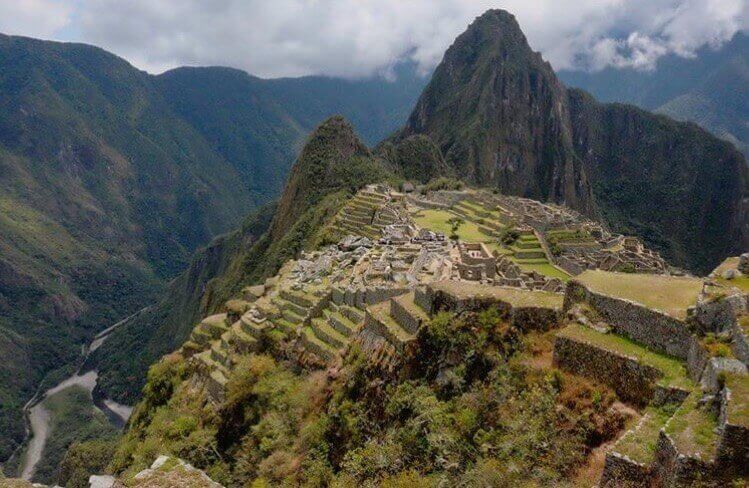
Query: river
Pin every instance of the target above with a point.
(39, 418)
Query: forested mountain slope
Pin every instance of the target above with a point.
(110, 178)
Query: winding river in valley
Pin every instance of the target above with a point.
(39, 418)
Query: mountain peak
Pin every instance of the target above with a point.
(332, 158)
(497, 17)
(500, 115)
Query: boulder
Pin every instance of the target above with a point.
(252, 293)
(730, 274)
(744, 263)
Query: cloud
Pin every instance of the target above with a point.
(354, 38)
(34, 18)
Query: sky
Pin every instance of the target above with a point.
(361, 38)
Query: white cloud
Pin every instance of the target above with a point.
(34, 18)
(363, 37)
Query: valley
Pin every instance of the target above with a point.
(213, 279)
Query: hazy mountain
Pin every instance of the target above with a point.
(110, 178)
(711, 89)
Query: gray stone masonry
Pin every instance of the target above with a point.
(631, 380)
(622, 472)
(652, 328)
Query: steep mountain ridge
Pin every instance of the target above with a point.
(710, 88)
(333, 164)
(500, 116)
(502, 119)
(678, 187)
(110, 178)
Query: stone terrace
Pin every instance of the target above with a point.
(642, 336)
(674, 347)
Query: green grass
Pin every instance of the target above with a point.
(674, 372)
(639, 445)
(669, 294)
(515, 297)
(437, 221)
(546, 269)
(738, 407)
(692, 428)
(740, 282)
(73, 418)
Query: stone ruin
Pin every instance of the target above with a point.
(376, 290)
(476, 262)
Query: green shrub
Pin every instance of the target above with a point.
(442, 183)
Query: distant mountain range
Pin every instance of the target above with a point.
(110, 178)
(711, 89)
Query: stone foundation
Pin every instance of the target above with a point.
(651, 328)
(524, 318)
(632, 381)
(672, 468)
(620, 471)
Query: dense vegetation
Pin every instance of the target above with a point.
(416, 157)
(82, 459)
(111, 178)
(468, 408)
(73, 420)
(670, 183)
(332, 166)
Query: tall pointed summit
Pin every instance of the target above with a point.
(500, 115)
(502, 119)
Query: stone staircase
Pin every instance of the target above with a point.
(396, 321)
(365, 214)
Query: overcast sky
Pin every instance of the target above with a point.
(356, 38)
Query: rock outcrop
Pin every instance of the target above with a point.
(500, 116)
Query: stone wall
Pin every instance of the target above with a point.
(733, 445)
(569, 265)
(423, 299)
(360, 297)
(631, 380)
(652, 328)
(697, 359)
(621, 472)
(719, 314)
(524, 318)
(739, 343)
(675, 469)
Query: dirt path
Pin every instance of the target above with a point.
(39, 421)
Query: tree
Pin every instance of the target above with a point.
(455, 224)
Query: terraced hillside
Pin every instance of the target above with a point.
(634, 333)
(383, 297)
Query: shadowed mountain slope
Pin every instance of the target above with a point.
(502, 119)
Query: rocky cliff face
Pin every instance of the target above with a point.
(499, 114)
(502, 118)
(674, 184)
